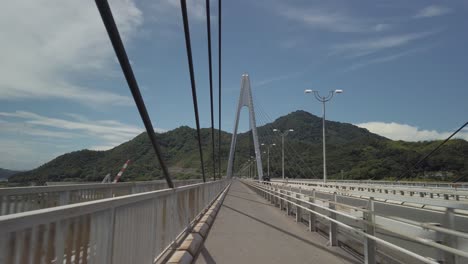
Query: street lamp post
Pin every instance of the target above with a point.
(268, 156)
(282, 134)
(324, 99)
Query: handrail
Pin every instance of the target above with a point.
(399, 219)
(101, 230)
(300, 204)
(21, 199)
(443, 203)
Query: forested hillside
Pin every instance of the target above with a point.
(352, 153)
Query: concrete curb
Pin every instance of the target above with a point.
(189, 249)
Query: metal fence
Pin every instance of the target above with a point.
(129, 229)
(460, 185)
(445, 192)
(23, 199)
(380, 232)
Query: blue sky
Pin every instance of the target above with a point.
(402, 65)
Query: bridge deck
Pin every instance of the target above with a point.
(250, 230)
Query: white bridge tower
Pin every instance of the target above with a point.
(245, 99)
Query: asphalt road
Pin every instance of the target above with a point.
(248, 229)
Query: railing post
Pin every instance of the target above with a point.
(333, 232)
(275, 199)
(449, 240)
(110, 245)
(64, 198)
(281, 202)
(272, 195)
(369, 244)
(298, 209)
(288, 205)
(312, 216)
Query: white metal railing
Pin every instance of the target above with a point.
(388, 231)
(458, 185)
(23, 199)
(441, 193)
(128, 229)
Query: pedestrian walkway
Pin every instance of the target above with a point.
(248, 229)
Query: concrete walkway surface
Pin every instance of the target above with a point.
(248, 229)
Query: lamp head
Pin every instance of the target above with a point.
(291, 130)
(308, 91)
(275, 130)
(338, 91)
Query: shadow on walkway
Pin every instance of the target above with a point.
(324, 248)
(249, 200)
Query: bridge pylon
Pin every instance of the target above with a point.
(245, 99)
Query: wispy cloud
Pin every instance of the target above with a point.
(324, 19)
(387, 58)
(277, 78)
(433, 11)
(406, 132)
(110, 132)
(168, 11)
(370, 46)
(42, 59)
(382, 27)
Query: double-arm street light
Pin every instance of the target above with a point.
(324, 99)
(283, 134)
(268, 156)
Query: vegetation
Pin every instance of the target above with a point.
(4, 173)
(352, 153)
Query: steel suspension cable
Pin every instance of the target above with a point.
(183, 7)
(298, 156)
(208, 29)
(270, 134)
(430, 153)
(287, 145)
(219, 87)
(113, 32)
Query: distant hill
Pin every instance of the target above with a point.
(5, 174)
(353, 150)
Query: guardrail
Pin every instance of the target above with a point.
(23, 199)
(378, 231)
(459, 185)
(445, 193)
(135, 228)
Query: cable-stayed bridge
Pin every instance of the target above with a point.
(240, 217)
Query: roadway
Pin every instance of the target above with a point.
(248, 229)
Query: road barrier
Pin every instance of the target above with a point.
(134, 228)
(378, 231)
(438, 196)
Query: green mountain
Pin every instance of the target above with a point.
(4, 173)
(352, 153)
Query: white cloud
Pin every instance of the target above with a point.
(369, 46)
(433, 11)
(111, 131)
(387, 58)
(30, 139)
(21, 155)
(405, 132)
(278, 78)
(49, 43)
(381, 27)
(320, 18)
(168, 11)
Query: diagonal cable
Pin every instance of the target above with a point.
(219, 86)
(208, 29)
(183, 7)
(113, 32)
